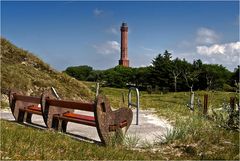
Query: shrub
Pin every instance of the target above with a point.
(226, 117)
(228, 88)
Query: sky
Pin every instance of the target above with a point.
(73, 33)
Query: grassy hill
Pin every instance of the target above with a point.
(24, 71)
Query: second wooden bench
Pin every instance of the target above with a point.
(107, 122)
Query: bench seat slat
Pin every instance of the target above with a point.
(32, 111)
(79, 116)
(27, 98)
(34, 108)
(71, 104)
(81, 121)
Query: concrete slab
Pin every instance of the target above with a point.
(151, 128)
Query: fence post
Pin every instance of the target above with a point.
(192, 100)
(232, 103)
(232, 107)
(97, 89)
(123, 98)
(205, 107)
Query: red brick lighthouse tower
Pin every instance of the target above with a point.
(124, 46)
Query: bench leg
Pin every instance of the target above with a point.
(28, 117)
(20, 116)
(64, 126)
(59, 125)
(55, 123)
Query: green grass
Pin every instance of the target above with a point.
(21, 142)
(4, 104)
(206, 140)
(172, 105)
(194, 136)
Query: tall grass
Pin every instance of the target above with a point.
(203, 138)
(131, 141)
(194, 136)
(185, 128)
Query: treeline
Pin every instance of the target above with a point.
(165, 74)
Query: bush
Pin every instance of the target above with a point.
(228, 88)
(226, 117)
(79, 72)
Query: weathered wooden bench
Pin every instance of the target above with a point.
(107, 122)
(23, 107)
(57, 113)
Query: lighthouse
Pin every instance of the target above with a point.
(124, 46)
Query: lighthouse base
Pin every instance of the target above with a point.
(124, 63)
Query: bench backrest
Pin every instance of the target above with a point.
(71, 104)
(23, 98)
(18, 101)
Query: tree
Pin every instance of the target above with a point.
(161, 69)
(190, 74)
(95, 75)
(79, 72)
(118, 76)
(215, 76)
(141, 77)
(235, 77)
(177, 65)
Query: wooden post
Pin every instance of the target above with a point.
(205, 104)
(232, 103)
(123, 98)
(192, 100)
(97, 90)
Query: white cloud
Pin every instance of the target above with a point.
(227, 53)
(113, 30)
(220, 49)
(212, 50)
(109, 47)
(97, 12)
(206, 36)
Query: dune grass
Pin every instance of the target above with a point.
(194, 136)
(24, 71)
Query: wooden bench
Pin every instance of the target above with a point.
(57, 113)
(23, 107)
(107, 122)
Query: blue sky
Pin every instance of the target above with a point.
(71, 33)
